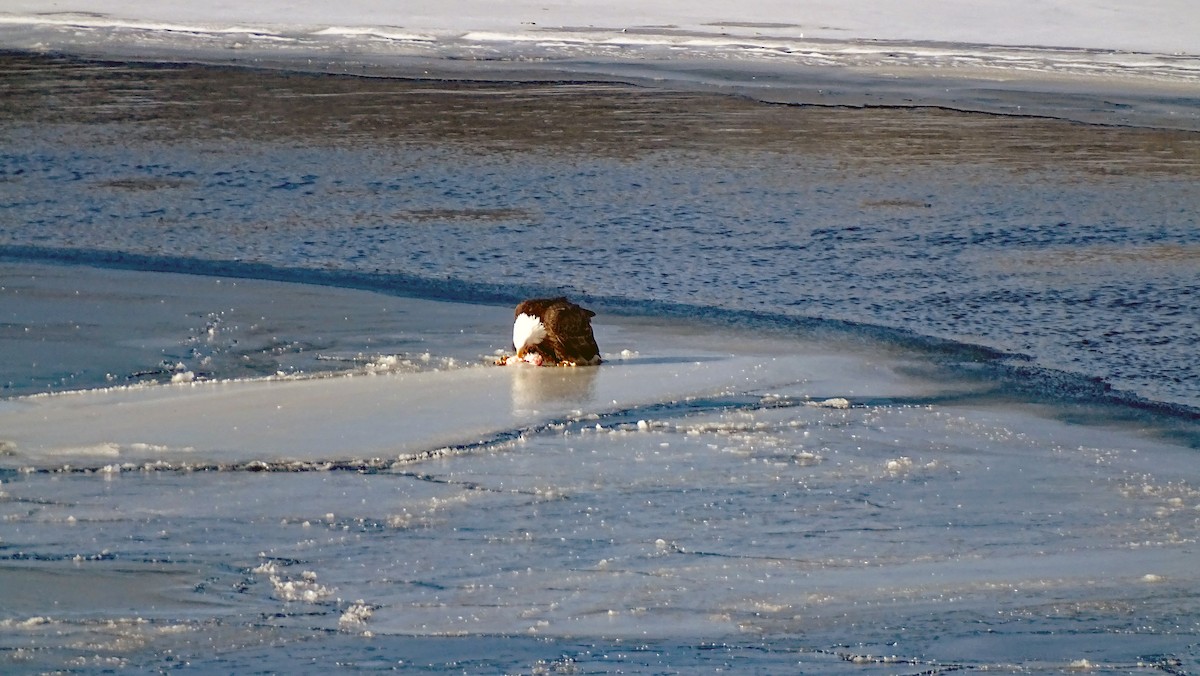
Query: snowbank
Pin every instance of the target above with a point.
(1165, 27)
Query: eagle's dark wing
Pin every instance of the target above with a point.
(569, 332)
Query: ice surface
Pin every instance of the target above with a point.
(706, 498)
(356, 417)
(370, 413)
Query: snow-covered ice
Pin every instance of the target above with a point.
(1164, 27)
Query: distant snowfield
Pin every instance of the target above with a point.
(1166, 26)
(1063, 36)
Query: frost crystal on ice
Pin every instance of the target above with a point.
(356, 614)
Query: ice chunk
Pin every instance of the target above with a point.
(833, 402)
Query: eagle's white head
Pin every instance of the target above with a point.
(528, 331)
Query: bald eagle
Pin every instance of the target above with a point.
(553, 331)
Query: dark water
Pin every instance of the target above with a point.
(1073, 248)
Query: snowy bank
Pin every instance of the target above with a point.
(1166, 27)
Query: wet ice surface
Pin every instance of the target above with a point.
(752, 503)
(70, 328)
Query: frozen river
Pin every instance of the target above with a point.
(886, 390)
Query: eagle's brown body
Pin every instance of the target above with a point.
(568, 329)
